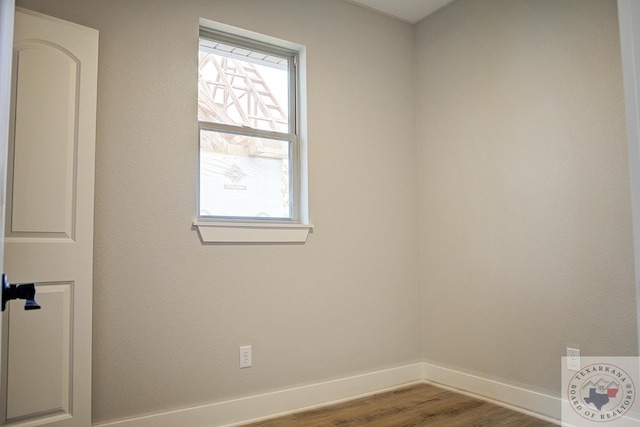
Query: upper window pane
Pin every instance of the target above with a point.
(243, 87)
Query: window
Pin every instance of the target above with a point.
(249, 155)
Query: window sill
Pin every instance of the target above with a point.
(220, 232)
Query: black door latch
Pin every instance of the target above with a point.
(25, 291)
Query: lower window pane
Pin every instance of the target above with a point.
(244, 176)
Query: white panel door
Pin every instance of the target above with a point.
(49, 222)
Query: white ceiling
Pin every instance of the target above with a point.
(407, 10)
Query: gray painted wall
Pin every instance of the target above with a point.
(170, 313)
(525, 211)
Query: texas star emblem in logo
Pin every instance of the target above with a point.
(601, 392)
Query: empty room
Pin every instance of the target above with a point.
(235, 210)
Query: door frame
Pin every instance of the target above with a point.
(7, 13)
(629, 24)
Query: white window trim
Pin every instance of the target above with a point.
(217, 232)
(267, 232)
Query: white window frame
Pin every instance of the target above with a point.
(215, 229)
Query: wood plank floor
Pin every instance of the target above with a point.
(417, 405)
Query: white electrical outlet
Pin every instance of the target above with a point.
(245, 356)
(573, 359)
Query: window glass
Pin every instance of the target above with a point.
(249, 154)
(244, 176)
(242, 87)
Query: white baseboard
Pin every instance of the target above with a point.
(253, 408)
(529, 402)
(259, 407)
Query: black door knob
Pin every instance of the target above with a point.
(25, 291)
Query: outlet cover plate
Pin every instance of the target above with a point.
(245, 356)
(573, 359)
